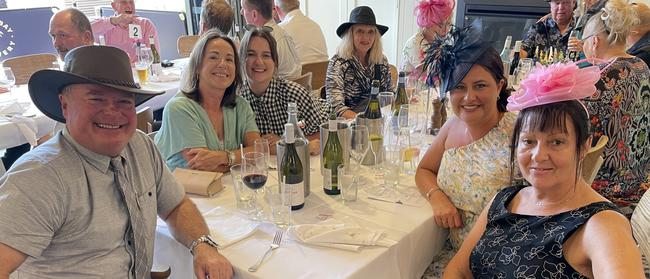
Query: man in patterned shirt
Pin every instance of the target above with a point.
(551, 31)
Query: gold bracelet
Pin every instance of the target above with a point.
(431, 192)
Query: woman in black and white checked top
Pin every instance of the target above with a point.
(269, 95)
(355, 64)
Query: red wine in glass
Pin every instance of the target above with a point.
(254, 181)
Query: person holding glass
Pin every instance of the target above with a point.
(620, 107)
(553, 31)
(467, 162)
(557, 226)
(269, 95)
(204, 125)
(358, 60)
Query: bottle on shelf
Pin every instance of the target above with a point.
(332, 158)
(156, 66)
(400, 94)
(515, 58)
(301, 143)
(536, 57)
(291, 170)
(505, 53)
(373, 110)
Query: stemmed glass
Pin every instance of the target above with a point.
(386, 100)
(262, 146)
(7, 80)
(145, 58)
(254, 175)
(359, 143)
(408, 117)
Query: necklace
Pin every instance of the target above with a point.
(567, 198)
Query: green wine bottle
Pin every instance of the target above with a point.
(332, 158)
(372, 110)
(400, 96)
(291, 170)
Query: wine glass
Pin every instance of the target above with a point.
(408, 117)
(7, 80)
(359, 143)
(145, 58)
(262, 146)
(254, 175)
(386, 100)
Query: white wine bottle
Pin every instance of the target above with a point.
(400, 95)
(292, 172)
(332, 158)
(372, 110)
(156, 66)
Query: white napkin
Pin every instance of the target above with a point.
(407, 197)
(341, 234)
(226, 226)
(12, 111)
(166, 77)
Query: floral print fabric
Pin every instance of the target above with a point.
(620, 109)
(546, 34)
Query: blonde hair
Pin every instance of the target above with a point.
(346, 49)
(616, 19)
(643, 11)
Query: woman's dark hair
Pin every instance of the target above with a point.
(263, 32)
(189, 84)
(491, 60)
(549, 118)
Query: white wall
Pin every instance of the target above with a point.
(396, 14)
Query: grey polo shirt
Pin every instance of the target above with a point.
(59, 205)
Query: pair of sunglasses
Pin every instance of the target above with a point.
(251, 27)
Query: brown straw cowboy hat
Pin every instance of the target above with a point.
(360, 15)
(102, 65)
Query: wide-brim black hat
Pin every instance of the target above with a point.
(360, 15)
(101, 65)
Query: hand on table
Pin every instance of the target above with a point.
(209, 263)
(207, 160)
(122, 20)
(3, 90)
(445, 213)
(314, 147)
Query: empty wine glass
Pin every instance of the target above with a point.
(7, 80)
(386, 100)
(145, 58)
(262, 146)
(359, 143)
(254, 175)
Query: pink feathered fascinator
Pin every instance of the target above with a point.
(430, 12)
(554, 83)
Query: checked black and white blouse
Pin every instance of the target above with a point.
(271, 108)
(347, 83)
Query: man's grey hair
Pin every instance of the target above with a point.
(287, 5)
(217, 14)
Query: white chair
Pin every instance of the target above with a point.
(593, 160)
(641, 224)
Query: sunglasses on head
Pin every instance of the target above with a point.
(251, 27)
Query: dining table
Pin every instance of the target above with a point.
(409, 225)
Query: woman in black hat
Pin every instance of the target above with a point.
(358, 60)
(467, 162)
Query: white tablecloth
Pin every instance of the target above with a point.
(10, 135)
(418, 239)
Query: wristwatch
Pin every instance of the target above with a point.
(203, 239)
(231, 157)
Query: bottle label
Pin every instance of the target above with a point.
(332, 125)
(297, 192)
(327, 179)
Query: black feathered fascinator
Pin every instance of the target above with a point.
(449, 58)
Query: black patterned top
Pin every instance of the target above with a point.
(620, 109)
(546, 34)
(347, 83)
(523, 246)
(271, 108)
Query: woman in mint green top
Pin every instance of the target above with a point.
(205, 124)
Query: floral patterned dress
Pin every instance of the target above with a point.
(470, 176)
(620, 109)
(412, 56)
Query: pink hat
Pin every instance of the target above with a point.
(433, 12)
(554, 83)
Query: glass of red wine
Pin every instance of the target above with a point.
(254, 175)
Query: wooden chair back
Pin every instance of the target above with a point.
(185, 44)
(144, 118)
(593, 160)
(25, 66)
(305, 81)
(318, 71)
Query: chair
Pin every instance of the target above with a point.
(393, 75)
(305, 81)
(185, 44)
(160, 271)
(641, 222)
(593, 160)
(144, 118)
(25, 66)
(318, 72)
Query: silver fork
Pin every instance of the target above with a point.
(276, 243)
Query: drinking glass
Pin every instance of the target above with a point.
(359, 143)
(280, 204)
(408, 117)
(410, 144)
(243, 194)
(262, 146)
(348, 182)
(525, 66)
(145, 58)
(254, 175)
(386, 100)
(7, 80)
(392, 165)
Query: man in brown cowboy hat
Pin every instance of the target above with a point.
(84, 204)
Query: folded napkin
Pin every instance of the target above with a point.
(227, 227)
(12, 111)
(403, 196)
(166, 77)
(341, 234)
